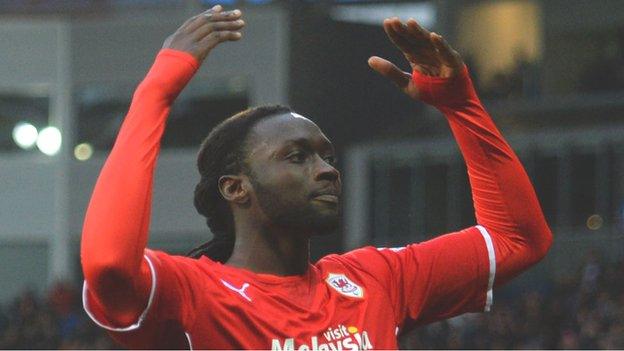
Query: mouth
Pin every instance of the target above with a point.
(327, 198)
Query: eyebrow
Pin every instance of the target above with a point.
(305, 143)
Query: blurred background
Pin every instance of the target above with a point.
(551, 73)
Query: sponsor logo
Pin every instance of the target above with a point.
(344, 285)
(333, 339)
(240, 291)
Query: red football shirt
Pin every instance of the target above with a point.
(358, 300)
(361, 299)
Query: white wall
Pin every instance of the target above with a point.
(120, 48)
(114, 49)
(28, 50)
(173, 213)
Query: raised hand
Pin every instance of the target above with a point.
(426, 52)
(202, 33)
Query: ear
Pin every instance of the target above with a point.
(234, 188)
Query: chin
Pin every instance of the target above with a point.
(325, 224)
(317, 221)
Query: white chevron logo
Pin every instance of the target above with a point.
(240, 291)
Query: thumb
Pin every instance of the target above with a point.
(390, 71)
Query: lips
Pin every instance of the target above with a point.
(327, 198)
(327, 195)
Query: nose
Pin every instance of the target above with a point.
(325, 170)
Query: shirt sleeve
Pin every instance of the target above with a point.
(169, 312)
(124, 283)
(455, 273)
(436, 279)
(504, 199)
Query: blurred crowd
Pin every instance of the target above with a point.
(582, 311)
(55, 321)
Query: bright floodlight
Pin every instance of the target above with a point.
(49, 141)
(83, 151)
(25, 135)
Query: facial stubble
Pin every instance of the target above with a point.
(297, 214)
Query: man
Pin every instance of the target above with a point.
(268, 183)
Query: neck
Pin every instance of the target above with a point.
(270, 249)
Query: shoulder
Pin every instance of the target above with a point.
(367, 255)
(158, 256)
(182, 269)
(349, 257)
(368, 260)
(371, 267)
(379, 261)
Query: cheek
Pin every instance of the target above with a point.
(289, 183)
(293, 182)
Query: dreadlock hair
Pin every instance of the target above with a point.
(224, 152)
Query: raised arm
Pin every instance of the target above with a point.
(504, 199)
(116, 225)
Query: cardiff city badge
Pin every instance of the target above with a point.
(344, 285)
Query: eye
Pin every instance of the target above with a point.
(331, 159)
(297, 157)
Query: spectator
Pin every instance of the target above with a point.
(56, 322)
(582, 312)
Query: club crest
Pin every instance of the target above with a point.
(344, 285)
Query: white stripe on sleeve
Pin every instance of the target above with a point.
(138, 323)
(492, 259)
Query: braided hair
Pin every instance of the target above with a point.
(223, 152)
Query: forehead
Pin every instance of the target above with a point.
(278, 131)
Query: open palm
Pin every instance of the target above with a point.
(426, 52)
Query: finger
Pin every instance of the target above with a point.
(419, 37)
(420, 46)
(213, 16)
(225, 15)
(449, 56)
(419, 40)
(399, 41)
(200, 19)
(213, 39)
(218, 26)
(390, 71)
(417, 31)
(216, 8)
(401, 30)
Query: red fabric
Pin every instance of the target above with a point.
(117, 219)
(504, 199)
(423, 282)
(356, 299)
